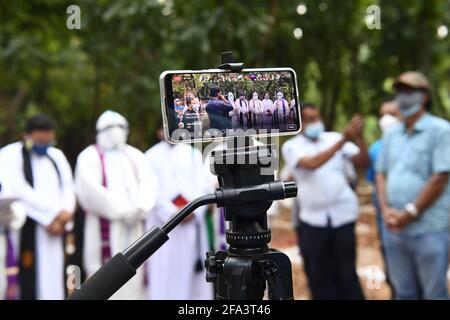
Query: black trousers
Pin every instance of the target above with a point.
(329, 256)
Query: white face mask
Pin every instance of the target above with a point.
(255, 96)
(112, 138)
(230, 97)
(280, 96)
(387, 121)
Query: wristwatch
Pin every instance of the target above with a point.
(412, 210)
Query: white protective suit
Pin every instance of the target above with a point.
(115, 186)
(51, 194)
(172, 269)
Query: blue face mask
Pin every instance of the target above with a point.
(409, 103)
(313, 130)
(40, 149)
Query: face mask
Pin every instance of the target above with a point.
(230, 97)
(112, 138)
(314, 130)
(409, 103)
(255, 96)
(40, 149)
(279, 96)
(387, 121)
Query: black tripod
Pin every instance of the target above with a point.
(243, 271)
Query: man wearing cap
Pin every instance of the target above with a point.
(414, 194)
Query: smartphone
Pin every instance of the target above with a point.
(207, 105)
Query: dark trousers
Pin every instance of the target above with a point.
(329, 256)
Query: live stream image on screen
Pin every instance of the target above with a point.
(230, 101)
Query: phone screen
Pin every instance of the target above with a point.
(204, 106)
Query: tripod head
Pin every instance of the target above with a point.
(241, 165)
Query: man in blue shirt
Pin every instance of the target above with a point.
(414, 194)
(218, 109)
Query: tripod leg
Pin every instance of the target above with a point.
(278, 273)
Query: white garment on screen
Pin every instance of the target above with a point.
(324, 193)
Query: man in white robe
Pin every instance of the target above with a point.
(176, 270)
(282, 108)
(256, 107)
(41, 178)
(268, 108)
(234, 115)
(117, 189)
(244, 112)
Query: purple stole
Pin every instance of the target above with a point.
(11, 271)
(104, 223)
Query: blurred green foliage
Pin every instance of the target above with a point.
(114, 61)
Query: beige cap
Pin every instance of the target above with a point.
(413, 79)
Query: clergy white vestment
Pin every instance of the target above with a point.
(116, 186)
(282, 107)
(234, 114)
(268, 109)
(172, 273)
(242, 106)
(43, 202)
(294, 110)
(256, 107)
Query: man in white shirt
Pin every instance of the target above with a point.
(329, 207)
(41, 178)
